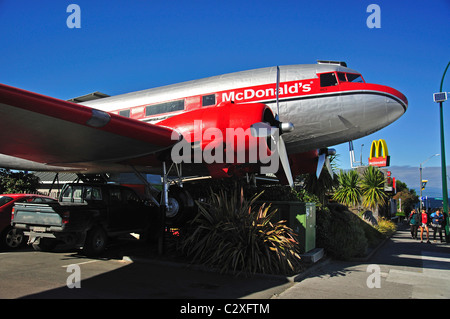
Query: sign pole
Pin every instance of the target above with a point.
(443, 162)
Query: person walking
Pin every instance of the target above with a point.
(437, 220)
(414, 223)
(424, 225)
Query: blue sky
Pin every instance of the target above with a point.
(124, 46)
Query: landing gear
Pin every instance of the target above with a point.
(180, 208)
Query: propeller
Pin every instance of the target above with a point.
(275, 130)
(325, 160)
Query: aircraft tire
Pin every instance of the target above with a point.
(181, 206)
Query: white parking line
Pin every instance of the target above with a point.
(81, 263)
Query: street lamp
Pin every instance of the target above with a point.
(420, 181)
(440, 98)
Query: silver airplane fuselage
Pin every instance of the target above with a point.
(323, 116)
(328, 104)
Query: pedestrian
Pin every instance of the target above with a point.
(424, 224)
(437, 220)
(414, 223)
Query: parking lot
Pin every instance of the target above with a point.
(127, 269)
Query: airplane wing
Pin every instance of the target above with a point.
(54, 132)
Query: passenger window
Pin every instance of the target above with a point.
(96, 193)
(166, 107)
(328, 79)
(208, 100)
(77, 192)
(125, 113)
(92, 193)
(67, 195)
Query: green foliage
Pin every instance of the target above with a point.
(17, 182)
(340, 233)
(372, 187)
(273, 193)
(386, 227)
(408, 197)
(231, 233)
(367, 189)
(349, 192)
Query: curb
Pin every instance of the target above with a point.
(289, 279)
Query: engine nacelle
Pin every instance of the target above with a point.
(221, 137)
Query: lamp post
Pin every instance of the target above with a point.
(440, 98)
(420, 176)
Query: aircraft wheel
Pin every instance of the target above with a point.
(181, 206)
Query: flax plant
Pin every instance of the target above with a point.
(238, 236)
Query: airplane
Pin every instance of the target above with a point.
(295, 112)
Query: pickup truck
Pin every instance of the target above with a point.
(85, 216)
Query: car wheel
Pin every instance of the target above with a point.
(12, 238)
(96, 240)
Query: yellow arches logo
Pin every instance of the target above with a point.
(379, 155)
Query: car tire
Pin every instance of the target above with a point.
(12, 238)
(95, 243)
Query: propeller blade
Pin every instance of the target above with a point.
(262, 129)
(322, 158)
(325, 160)
(285, 161)
(328, 164)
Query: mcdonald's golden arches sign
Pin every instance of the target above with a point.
(379, 155)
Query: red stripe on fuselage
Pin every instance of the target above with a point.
(309, 88)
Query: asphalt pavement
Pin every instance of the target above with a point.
(401, 268)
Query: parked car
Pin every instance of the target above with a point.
(11, 238)
(85, 216)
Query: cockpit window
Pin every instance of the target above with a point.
(350, 77)
(355, 78)
(342, 77)
(328, 79)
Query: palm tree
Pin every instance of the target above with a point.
(349, 192)
(372, 187)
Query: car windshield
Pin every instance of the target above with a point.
(5, 200)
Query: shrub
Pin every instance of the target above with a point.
(340, 233)
(231, 233)
(386, 227)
